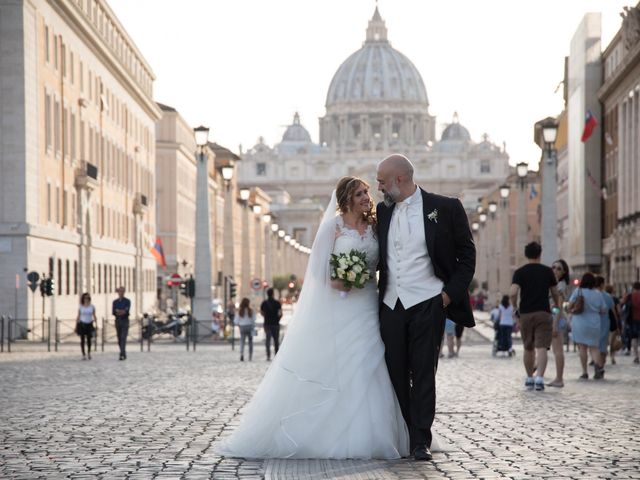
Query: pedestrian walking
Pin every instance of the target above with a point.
(505, 326)
(85, 323)
(271, 310)
(585, 323)
(632, 305)
(560, 323)
(449, 332)
(534, 282)
(120, 310)
(615, 325)
(605, 321)
(245, 318)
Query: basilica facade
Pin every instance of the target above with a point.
(376, 105)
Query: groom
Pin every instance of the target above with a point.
(427, 261)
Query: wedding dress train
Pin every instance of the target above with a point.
(327, 393)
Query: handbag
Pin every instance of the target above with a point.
(577, 306)
(616, 342)
(77, 329)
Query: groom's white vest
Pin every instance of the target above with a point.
(411, 277)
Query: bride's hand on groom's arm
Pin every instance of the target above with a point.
(339, 285)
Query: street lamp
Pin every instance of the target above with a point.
(274, 227)
(475, 226)
(227, 175)
(504, 192)
(266, 218)
(281, 233)
(244, 194)
(522, 169)
(493, 207)
(202, 135)
(257, 209)
(483, 218)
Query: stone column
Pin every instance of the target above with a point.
(202, 267)
(549, 207)
(522, 225)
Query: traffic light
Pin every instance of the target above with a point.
(43, 287)
(232, 289)
(188, 288)
(49, 286)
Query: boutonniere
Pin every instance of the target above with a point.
(433, 216)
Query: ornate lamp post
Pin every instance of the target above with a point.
(549, 191)
(201, 309)
(245, 256)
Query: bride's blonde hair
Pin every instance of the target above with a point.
(345, 189)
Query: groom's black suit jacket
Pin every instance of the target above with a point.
(450, 246)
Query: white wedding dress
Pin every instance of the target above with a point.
(327, 394)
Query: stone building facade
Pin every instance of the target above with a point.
(77, 158)
(620, 98)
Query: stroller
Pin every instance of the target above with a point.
(499, 345)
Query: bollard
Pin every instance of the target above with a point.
(56, 334)
(150, 333)
(141, 339)
(48, 334)
(102, 335)
(2, 333)
(9, 334)
(186, 333)
(195, 334)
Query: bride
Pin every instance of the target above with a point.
(328, 394)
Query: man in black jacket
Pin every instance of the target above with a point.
(271, 310)
(427, 261)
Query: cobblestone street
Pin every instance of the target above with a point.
(158, 414)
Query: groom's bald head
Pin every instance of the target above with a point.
(395, 178)
(397, 165)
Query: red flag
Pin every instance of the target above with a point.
(590, 124)
(158, 253)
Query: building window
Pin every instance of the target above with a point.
(71, 67)
(55, 51)
(46, 43)
(261, 169)
(68, 279)
(58, 205)
(485, 166)
(47, 120)
(48, 202)
(75, 277)
(59, 277)
(65, 208)
(56, 127)
(63, 59)
(72, 137)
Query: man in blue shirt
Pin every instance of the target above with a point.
(120, 310)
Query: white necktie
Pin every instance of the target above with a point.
(403, 223)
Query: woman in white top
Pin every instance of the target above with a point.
(505, 327)
(246, 320)
(85, 323)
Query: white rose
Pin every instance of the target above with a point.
(365, 277)
(355, 258)
(343, 263)
(340, 273)
(357, 269)
(351, 276)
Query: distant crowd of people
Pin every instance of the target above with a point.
(541, 305)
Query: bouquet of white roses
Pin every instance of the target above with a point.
(351, 268)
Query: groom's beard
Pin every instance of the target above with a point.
(390, 196)
(388, 199)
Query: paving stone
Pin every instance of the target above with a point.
(159, 414)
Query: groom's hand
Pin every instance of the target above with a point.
(445, 300)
